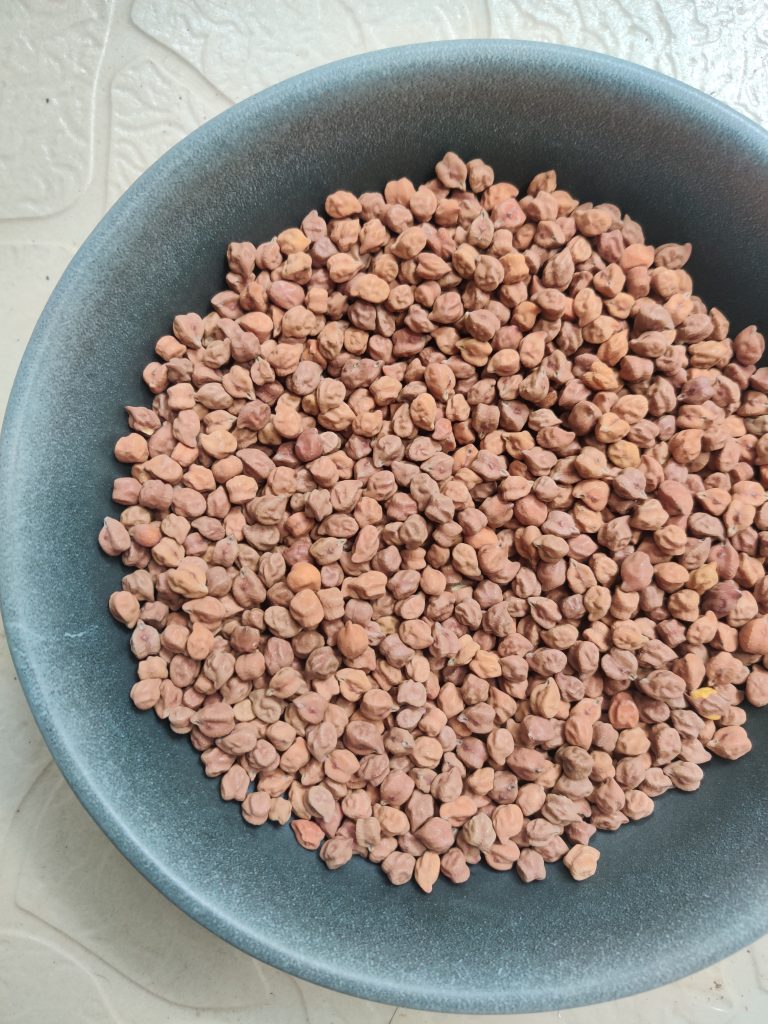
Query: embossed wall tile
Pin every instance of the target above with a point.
(717, 47)
(50, 54)
(758, 954)
(241, 48)
(41, 984)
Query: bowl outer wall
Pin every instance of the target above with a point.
(674, 893)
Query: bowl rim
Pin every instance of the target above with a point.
(339, 977)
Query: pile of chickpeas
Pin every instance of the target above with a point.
(446, 528)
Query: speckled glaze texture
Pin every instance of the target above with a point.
(687, 168)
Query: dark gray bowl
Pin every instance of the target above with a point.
(674, 893)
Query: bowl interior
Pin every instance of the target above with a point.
(687, 169)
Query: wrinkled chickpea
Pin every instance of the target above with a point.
(446, 528)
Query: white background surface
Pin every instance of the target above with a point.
(91, 92)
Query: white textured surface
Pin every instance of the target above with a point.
(92, 92)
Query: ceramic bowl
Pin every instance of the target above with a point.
(673, 893)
